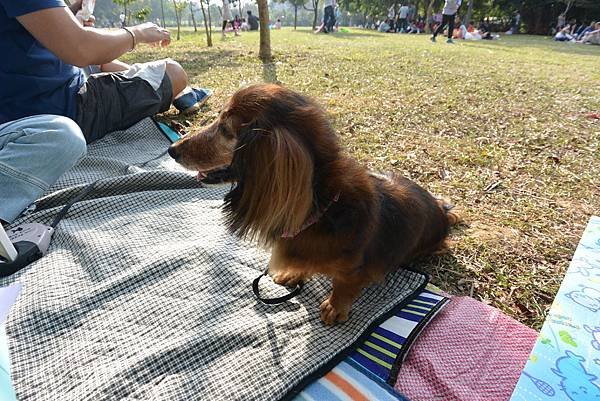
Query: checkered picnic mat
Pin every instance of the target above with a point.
(144, 294)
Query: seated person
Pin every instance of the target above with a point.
(252, 21)
(483, 27)
(573, 27)
(563, 35)
(475, 35)
(592, 37)
(585, 29)
(49, 111)
(459, 30)
(412, 27)
(237, 23)
(245, 26)
(278, 24)
(384, 27)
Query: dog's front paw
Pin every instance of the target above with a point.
(289, 279)
(331, 315)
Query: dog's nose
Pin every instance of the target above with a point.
(173, 152)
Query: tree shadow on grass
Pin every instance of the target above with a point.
(447, 273)
(195, 59)
(528, 46)
(344, 35)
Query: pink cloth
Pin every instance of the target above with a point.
(470, 352)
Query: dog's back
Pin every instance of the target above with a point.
(412, 222)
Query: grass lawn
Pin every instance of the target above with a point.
(499, 128)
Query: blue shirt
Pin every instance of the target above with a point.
(32, 79)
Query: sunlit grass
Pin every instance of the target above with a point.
(508, 116)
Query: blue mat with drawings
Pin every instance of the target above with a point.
(8, 295)
(565, 361)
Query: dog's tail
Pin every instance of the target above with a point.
(452, 215)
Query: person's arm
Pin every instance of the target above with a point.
(58, 30)
(114, 66)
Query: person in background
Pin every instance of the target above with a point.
(338, 18)
(403, 18)
(226, 14)
(448, 14)
(328, 15)
(437, 20)
(585, 29)
(573, 27)
(278, 24)
(384, 26)
(252, 21)
(560, 22)
(564, 35)
(460, 30)
(421, 25)
(592, 37)
(516, 23)
(236, 25)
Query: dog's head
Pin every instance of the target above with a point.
(276, 142)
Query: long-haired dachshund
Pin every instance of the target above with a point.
(319, 210)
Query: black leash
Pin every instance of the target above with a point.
(278, 300)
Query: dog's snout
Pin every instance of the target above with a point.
(173, 152)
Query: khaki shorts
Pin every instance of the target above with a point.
(110, 102)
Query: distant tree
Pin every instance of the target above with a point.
(207, 22)
(192, 11)
(265, 35)
(179, 6)
(124, 3)
(142, 14)
(314, 9)
(296, 4)
(162, 13)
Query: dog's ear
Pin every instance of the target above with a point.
(274, 193)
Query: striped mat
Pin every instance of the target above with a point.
(369, 373)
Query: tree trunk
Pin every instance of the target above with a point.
(240, 8)
(193, 17)
(295, 16)
(569, 4)
(265, 35)
(209, 20)
(208, 35)
(428, 18)
(162, 10)
(469, 14)
(177, 18)
(125, 22)
(316, 7)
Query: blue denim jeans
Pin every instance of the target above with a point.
(34, 152)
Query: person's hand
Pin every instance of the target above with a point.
(90, 22)
(151, 33)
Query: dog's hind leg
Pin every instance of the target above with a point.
(453, 217)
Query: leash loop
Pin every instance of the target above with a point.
(277, 300)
